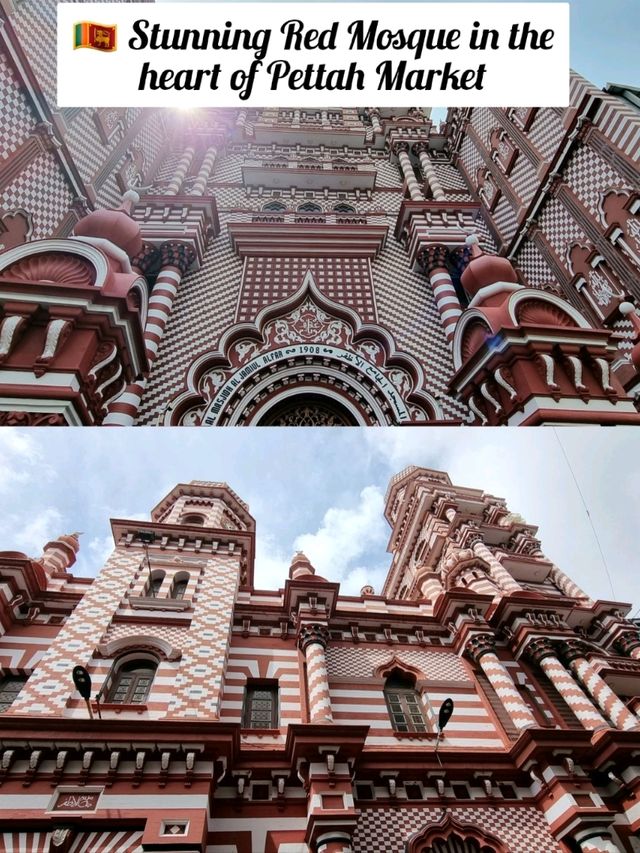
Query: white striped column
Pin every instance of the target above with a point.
(566, 585)
(175, 259)
(498, 571)
(629, 644)
(375, 121)
(434, 261)
(595, 840)
(313, 641)
(421, 150)
(573, 654)
(542, 653)
(334, 842)
(401, 150)
(181, 172)
(481, 649)
(206, 166)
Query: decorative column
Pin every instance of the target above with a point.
(313, 641)
(542, 653)
(334, 842)
(595, 840)
(208, 160)
(573, 653)
(628, 643)
(374, 115)
(481, 649)
(434, 261)
(401, 150)
(175, 259)
(566, 585)
(182, 170)
(421, 150)
(498, 571)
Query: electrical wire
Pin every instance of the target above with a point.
(586, 509)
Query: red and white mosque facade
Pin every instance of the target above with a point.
(229, 719)
(339, 266)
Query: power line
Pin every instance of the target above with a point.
(586, 509)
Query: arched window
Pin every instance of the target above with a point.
(275, 207)
(10, 686)
(344, 208)
(131, 682)
(404, 703)
(154, 583)
(192, 518)
(310, 207)
(179, 585)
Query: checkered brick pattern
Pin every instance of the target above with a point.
(170, 634)
(589, 176)
(85, 144)
(204, 308)
(545, 132)
(35, 24)
(42, 191)
(559, 226)
(268, 280)
(533, 265)
(505, 218)
(49, 688)
(17, 119)
(361, 662)
(198, 683)
(523, 179)
(450, 178)
(523, 829)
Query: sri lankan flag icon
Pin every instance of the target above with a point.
(96, 36)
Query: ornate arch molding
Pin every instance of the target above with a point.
(433, 837)
(396, 663)
(461, 561)
(139, 643)
(523, 306)
(65, 262)
(309, 342)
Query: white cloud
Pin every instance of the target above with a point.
(271, 565)
(32, 535)
(346, 536)
(21, 460)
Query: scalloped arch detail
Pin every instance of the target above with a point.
(452, 836)
(539, 312)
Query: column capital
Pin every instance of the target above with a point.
(173, 253)
(570, 650)
(421, 147)
(315, 633)
(479, 645)
(147, 260)
(400, 146)
(540, 648)
(626, 642)
(433, 257)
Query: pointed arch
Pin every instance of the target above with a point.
(396, 663)
(450, 835)
(305, 339)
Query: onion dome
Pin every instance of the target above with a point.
(117, 226)
(484, 270)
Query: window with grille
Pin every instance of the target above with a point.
(405, 707)
(9, 689)
(132, 682)
(154, 583)
(179, 588)
(261, 706)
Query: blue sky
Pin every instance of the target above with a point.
(322, 490)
